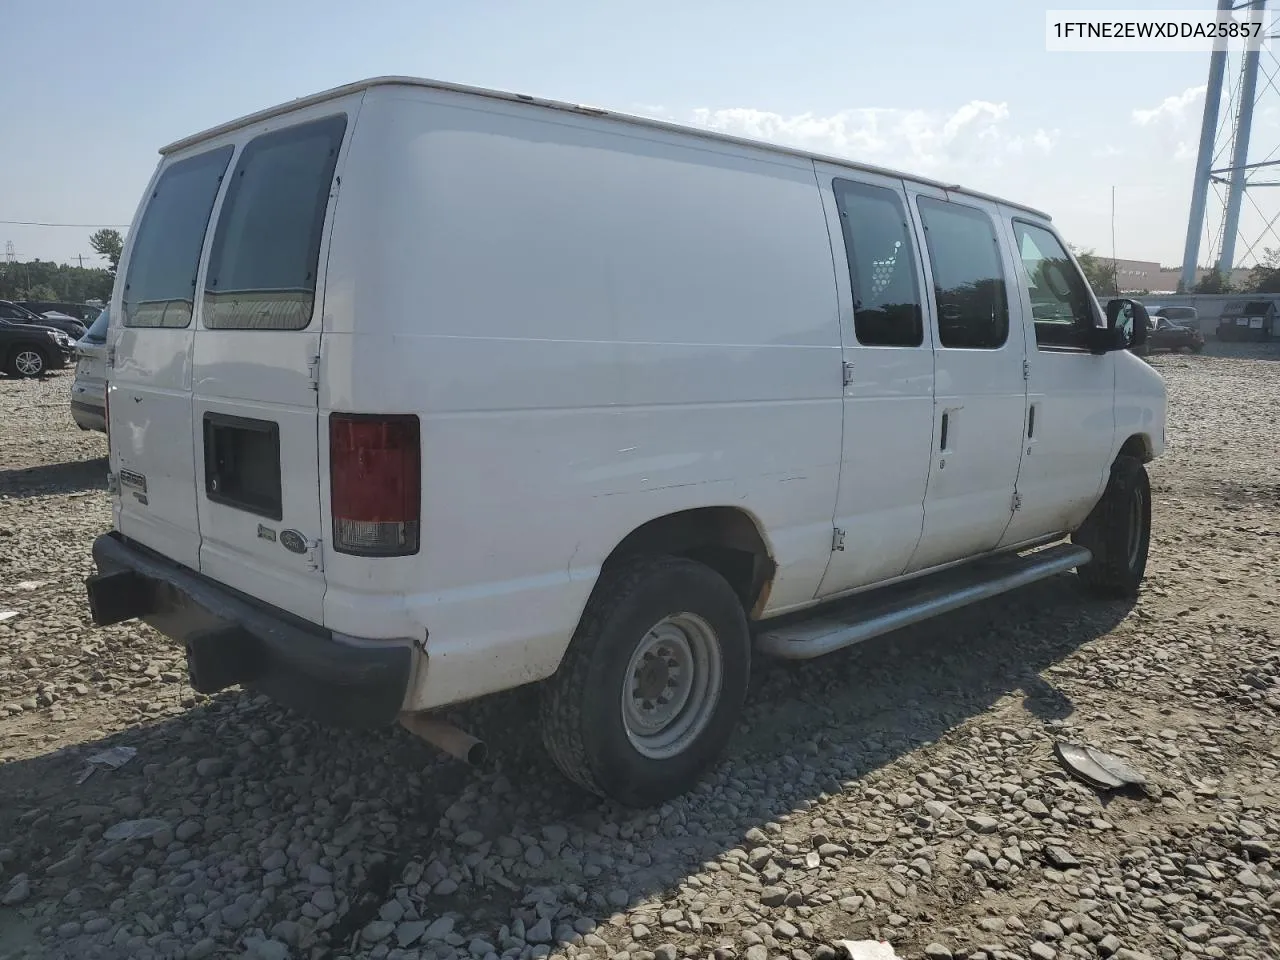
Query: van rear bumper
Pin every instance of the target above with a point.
(231, 639)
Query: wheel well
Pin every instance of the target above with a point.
(725, 539)
(1138, 445)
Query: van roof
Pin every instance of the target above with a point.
(362, 85)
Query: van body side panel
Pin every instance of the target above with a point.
(598, 325)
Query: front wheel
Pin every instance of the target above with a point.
(652, 684)
(28, 362)
(1118, 533)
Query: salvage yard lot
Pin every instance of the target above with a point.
(905, 789)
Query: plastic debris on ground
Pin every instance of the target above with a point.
(1102, 770)
(867, 949)
(7, 615)
(113, 759)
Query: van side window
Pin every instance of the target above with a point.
(882, 268)
(266, 250)
(160, 282)
(1062, 304)
(968, 282)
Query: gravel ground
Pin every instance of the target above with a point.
(905, 789)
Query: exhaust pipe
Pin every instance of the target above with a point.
(445, 736)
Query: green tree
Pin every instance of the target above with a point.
(1265, 276)
(1100, 273)
(109, 244)
(1212, 282)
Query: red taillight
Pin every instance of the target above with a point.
(375, 484)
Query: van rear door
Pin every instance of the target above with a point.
(256, 362)
(152, 456)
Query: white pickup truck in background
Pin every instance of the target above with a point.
(422, 392)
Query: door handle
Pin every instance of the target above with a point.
(942, 434)
(1031, 422)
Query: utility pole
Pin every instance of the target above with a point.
(1240, 155)
(1204, 159)
(80, 257)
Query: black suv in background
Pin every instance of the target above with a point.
(30, 350)
(20, 314)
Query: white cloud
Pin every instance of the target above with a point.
(1175, 109)
(976, 133)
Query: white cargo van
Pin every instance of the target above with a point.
(421, 392)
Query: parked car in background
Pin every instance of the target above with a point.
(89, 389)
(73, 328)
(1182, 316)
(84, 312)
(1248, 320)
(30, 350)
(1167, 335)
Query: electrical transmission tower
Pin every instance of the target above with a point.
(10, 255)
(1225, 173)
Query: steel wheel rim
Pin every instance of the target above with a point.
(671, 686)
(28, 363)
(1136, 503)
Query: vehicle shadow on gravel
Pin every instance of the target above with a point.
(73, 476)
(295, 808)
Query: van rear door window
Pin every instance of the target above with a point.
(266, 250)
(160, 282)
(882, 270)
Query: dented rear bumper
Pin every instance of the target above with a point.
(233, 639)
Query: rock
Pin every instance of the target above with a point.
(1035, 807)
(439, 929)
(1042, 951)
(540, 932)
(480, 948)
(1061, 858)
(1109, 945)
(936, 951)
(666, 951)
(757, 952)
(270, 950)
(978, 860)
(773, 896)
(318, 876)
(18, 892)
(620, 898)
(555, 834)
(983, 824)
(377, 930)
(786, 929)
(1196, 932)
(410, 931)
(470, 838)
(535, 857)
(210, 766)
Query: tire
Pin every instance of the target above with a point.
(1118, 533)
(594, 720)
(28, 361)
(1196, 348)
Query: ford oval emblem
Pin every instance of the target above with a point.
(293, 541)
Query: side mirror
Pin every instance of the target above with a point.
(1128, 326)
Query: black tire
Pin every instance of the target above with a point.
(22, 356)
(583, 717)
(1118, 533)
(1197, 348)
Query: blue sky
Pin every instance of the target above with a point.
(962, 91)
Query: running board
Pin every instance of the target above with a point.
(891, 608)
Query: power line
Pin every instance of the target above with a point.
(78, 226)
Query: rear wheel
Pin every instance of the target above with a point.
(652, 684)
(28, 362)
(1118, 533)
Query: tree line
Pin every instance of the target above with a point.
(46, 280)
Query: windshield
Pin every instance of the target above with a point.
(97, 331)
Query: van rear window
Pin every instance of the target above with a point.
(160, 283)
(266, 249)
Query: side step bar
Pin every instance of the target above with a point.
(891, 608)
